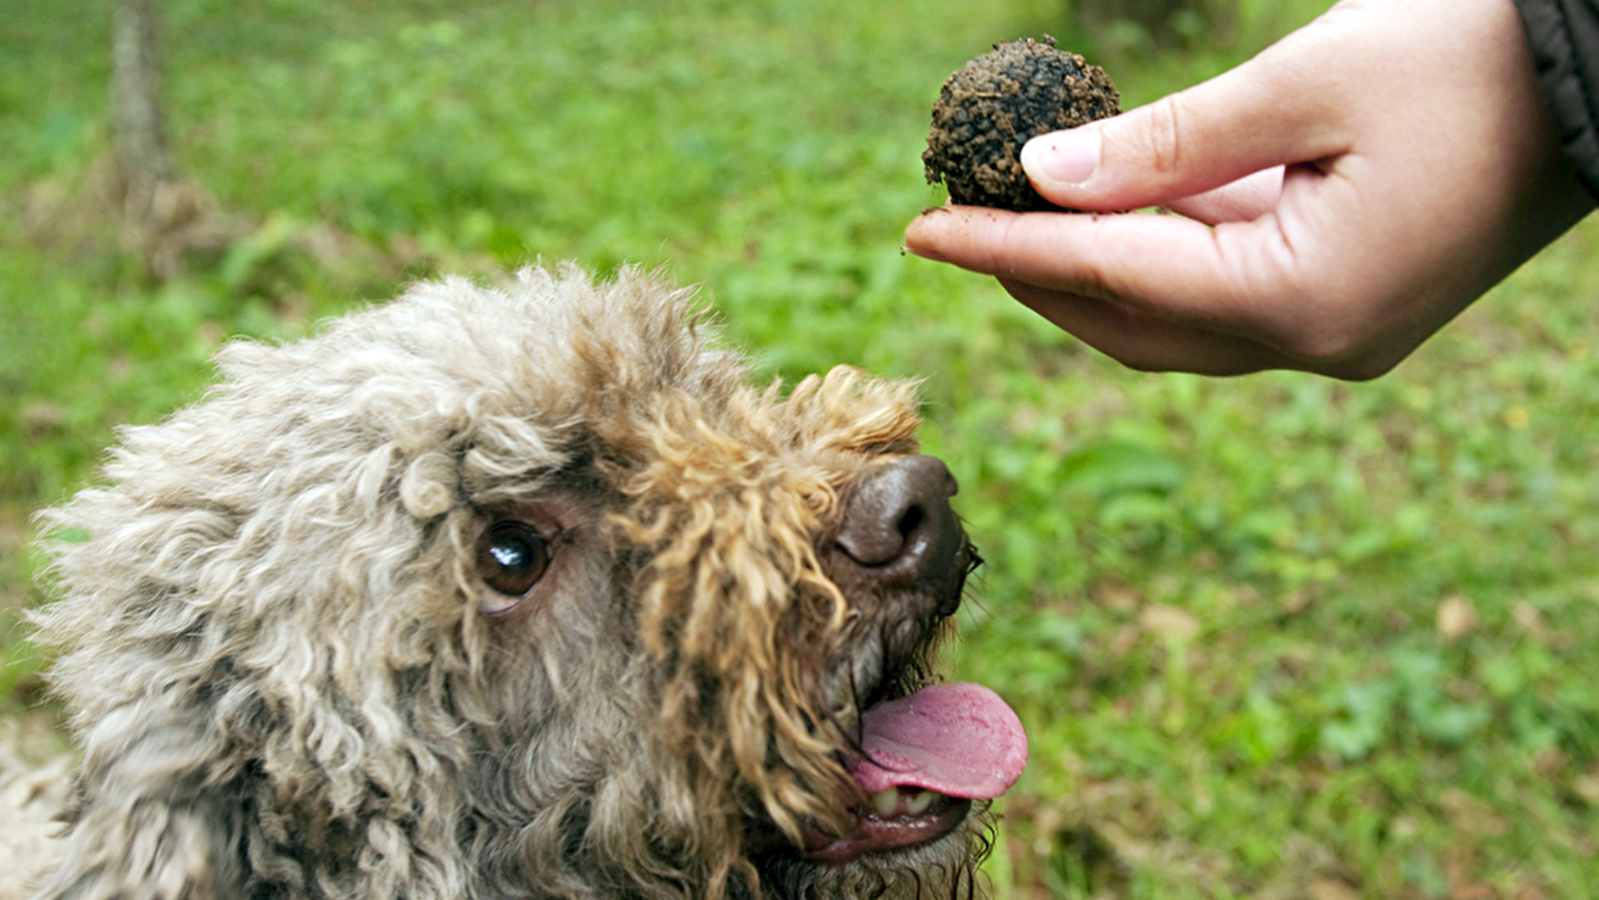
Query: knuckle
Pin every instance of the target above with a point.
(1162, 136)
(1001, 257)
(1093, 275)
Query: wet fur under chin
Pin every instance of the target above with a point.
(282, 681)
(947, 869)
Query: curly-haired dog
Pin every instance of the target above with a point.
(520, 593)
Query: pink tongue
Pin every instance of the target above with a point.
(960, 740)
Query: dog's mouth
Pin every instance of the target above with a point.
(923, 760)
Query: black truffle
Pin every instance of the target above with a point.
(992, 105)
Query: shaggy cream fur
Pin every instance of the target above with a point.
(30, 795)
(518, 592)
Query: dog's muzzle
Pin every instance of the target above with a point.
(923, 758)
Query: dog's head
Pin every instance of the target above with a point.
(521, 592)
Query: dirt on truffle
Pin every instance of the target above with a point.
(992, 105)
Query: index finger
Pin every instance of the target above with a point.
(1222, 278)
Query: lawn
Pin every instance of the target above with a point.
(1272, 637)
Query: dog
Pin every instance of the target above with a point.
(520, 591)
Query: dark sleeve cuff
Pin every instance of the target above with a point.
(1564, 37)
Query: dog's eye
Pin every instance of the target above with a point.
(512, 557)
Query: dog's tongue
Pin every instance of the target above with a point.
(960, 740)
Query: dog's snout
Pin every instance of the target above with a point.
(898, 527)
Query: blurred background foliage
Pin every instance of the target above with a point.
(1273, 637)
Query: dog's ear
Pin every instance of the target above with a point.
(151, 818)
(236, 740)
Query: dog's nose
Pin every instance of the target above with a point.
(898, 527)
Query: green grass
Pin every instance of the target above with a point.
(1213, 602)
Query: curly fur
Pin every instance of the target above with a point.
(30, 794)
(287, 677)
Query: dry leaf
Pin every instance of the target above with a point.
(1472, 816)
(1549, 762)
(1295, 602)
(1115, 597)
(1332, 889)
(1456, 618)
(1587, 786)
(1531, 621)
(1169, 621)
(1122, 643)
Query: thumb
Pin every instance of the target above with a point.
(1251, 118)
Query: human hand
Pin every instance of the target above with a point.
(1341, 197)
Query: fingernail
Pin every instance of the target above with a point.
(1064, 156)
(916, 239)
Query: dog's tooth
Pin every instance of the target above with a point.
(919, 802)
(885, 802)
